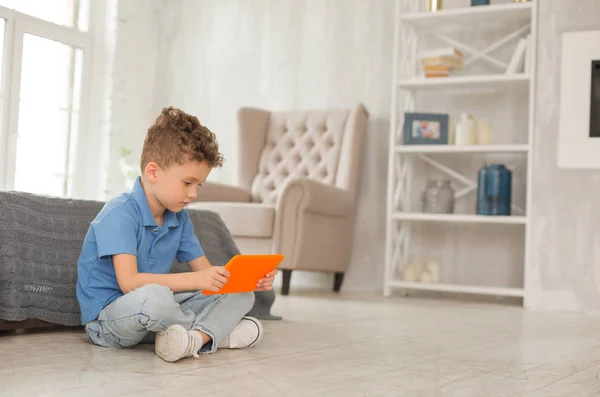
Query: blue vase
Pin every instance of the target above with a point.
(480, 2)
(494, 190)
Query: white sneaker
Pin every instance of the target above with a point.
(248, 332)
(175, 343)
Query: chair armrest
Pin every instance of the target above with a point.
(316, 197)
(310, 216)
(211, 191)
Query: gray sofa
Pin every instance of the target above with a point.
(40, 241)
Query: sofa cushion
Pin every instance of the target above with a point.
(242, 219)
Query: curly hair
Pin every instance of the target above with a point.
(176, 138)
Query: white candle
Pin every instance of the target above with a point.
(484, 132)
(463, 134)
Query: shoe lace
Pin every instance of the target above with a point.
(192, 346)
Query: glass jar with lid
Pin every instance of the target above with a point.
(438, 197)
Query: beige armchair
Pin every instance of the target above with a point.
(296, 187)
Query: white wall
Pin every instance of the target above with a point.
(137, 82)
(565, 249)
(290, 54)
(213, 56)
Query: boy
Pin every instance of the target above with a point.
(124, 286)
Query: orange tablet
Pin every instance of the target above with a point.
(245, 270)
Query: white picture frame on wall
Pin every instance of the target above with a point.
(576, 148)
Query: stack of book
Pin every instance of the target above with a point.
(440, 62)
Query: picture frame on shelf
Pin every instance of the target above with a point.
(425, 128)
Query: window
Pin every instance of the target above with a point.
(43, 96)
(70, 13)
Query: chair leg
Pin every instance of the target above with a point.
(338, 279)
(287, 276)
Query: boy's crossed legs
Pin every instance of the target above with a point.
(183, 324)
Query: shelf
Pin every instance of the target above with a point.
(467, 82)
(469, 289)
(462, 148)
(479, 32)
(500, 14)
(459, 218)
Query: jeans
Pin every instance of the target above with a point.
(136, 317)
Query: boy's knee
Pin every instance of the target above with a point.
(154, 290)
(155, 299)
(245, 300)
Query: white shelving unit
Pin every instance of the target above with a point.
(483, 15)
(468, 289)
(515, 148)
(410, 23)
(458, 218)
(465, 82)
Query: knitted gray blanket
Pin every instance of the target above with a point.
(40, 242)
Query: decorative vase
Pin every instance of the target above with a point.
(438, 197)
(494, 190)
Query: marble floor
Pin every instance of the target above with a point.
(327, 345)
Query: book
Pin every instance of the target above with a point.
(440, 71)
(449, 52)
(436, 68)
(435, 75)
(447, 61)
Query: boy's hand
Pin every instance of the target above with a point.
(212, 278)
(266, 283)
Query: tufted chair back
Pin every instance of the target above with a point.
(277, 147)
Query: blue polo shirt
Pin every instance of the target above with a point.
(125, 225)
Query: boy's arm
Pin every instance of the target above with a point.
(264, 284)
(200, 263)
(190, 250)
(204, 276)
(116, 237)
(190, 245)
(212, 278)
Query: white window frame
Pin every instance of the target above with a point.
(17, 25)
